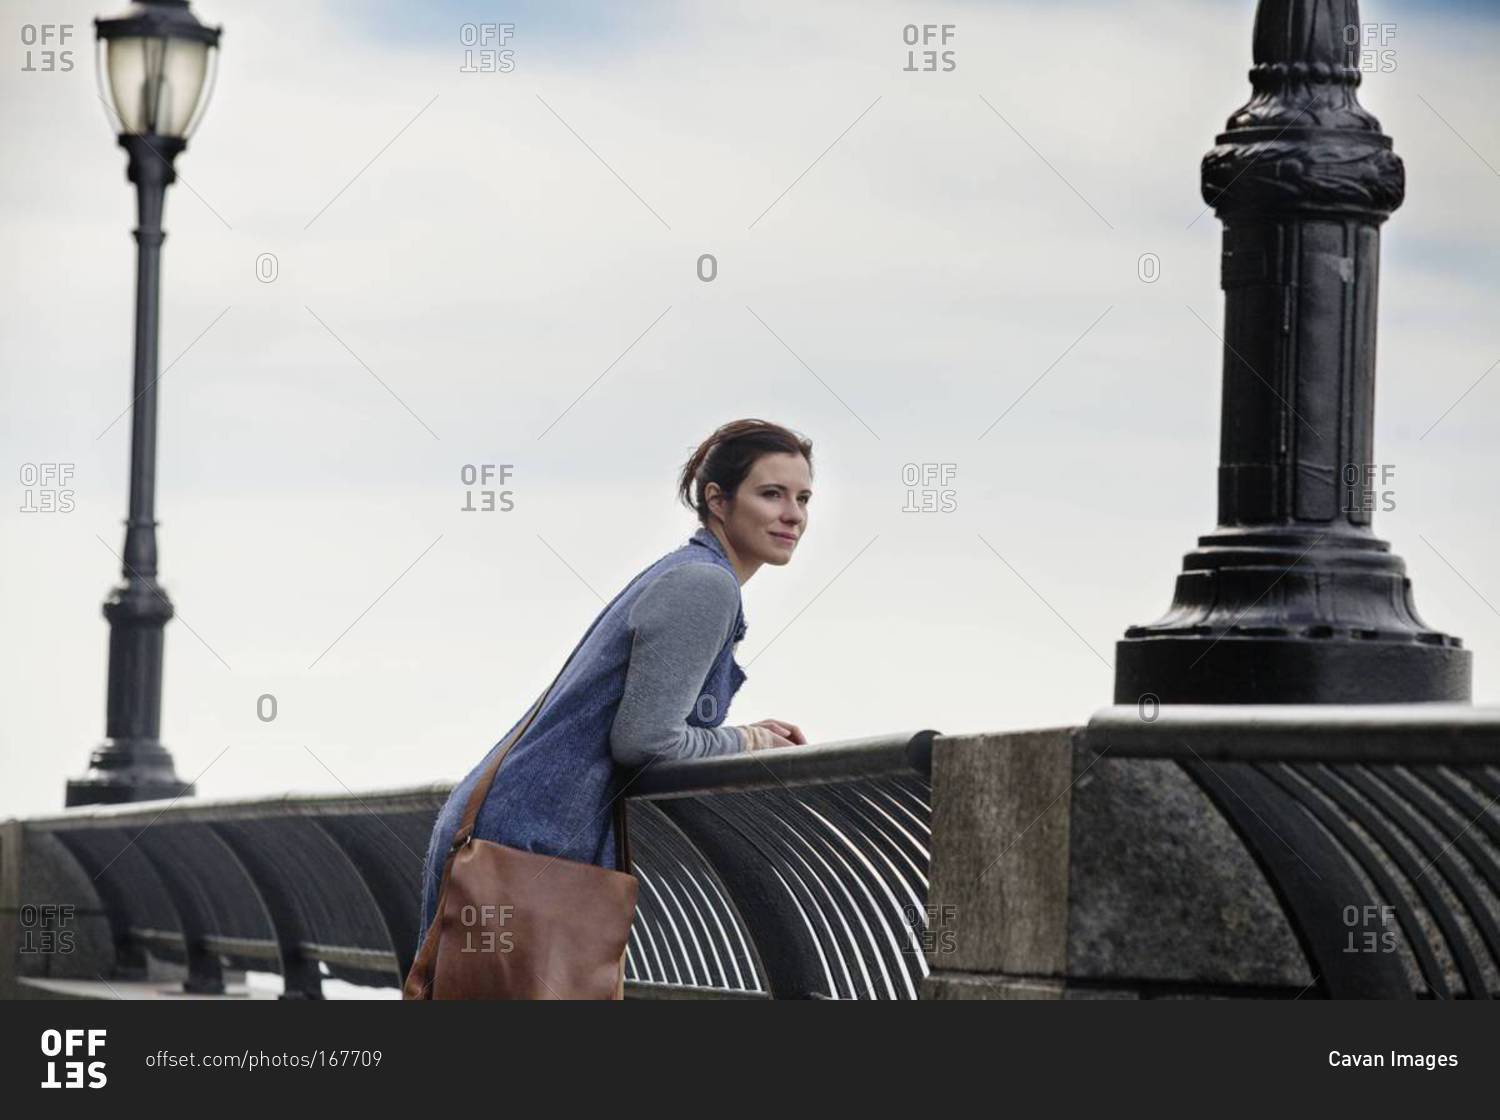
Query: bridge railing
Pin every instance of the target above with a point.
(1277, 852)
(802, 875)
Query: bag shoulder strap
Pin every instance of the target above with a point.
(487, 780)
(487, 777)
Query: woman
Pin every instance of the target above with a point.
(653, 675)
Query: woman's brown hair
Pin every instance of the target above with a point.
(727, 456)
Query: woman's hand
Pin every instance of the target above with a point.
(759, 738)
(790, 732)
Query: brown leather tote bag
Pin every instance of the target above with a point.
(512, 924)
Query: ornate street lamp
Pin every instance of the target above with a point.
(155, 67)
(1294, 599)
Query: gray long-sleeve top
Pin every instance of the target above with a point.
(679, 623)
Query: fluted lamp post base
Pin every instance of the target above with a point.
(1291, 618)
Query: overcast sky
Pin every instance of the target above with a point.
(500, 268)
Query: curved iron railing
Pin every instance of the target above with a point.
(804, 872)
(1376, 827)
(798, 875)
(824, 850)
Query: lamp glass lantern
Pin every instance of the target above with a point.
(156, 67)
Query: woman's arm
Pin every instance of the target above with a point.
(679, 623)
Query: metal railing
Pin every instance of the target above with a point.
(1375, 825)
(804, 872)
(800, 872)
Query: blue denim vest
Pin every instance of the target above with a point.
(555, 787)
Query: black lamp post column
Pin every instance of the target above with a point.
(132, 765)
(154, 66)
(1293, 599)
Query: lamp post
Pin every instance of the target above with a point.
(157, 59)
(1293, 599)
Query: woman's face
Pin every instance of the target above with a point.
(769, 513)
